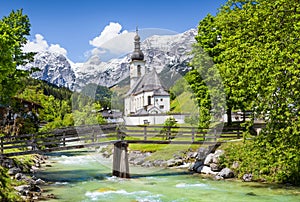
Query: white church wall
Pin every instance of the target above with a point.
(163, 103)
(127, 106)
(137, 70)
(153, 119)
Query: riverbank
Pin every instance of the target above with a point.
(21, 184)
(205, 160)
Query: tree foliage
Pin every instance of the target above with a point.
(255, 47)
(13, 31)
(100, 94)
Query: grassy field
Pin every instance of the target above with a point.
(183, 103)
(163, 152)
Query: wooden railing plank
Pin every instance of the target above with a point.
(60, 138)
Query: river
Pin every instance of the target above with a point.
(85, 176)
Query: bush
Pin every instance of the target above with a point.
(7, 192)
(168, 131)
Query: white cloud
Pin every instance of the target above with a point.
(109, 32)
(112, 40)
(97, 51)
(39, 44)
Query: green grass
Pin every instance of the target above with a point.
(183, 103)
(163, 152)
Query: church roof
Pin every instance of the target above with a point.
(149, 82)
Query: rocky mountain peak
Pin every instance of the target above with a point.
(160, 52)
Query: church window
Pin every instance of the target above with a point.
(161, 106)
(161, 99)
(139, 70)
(149, 100)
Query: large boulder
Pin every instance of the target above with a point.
(216, 156)
(196, 165)
(209, 159)
(202, 153)
(206, 170)
(225, 173)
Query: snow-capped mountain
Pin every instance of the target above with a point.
(161, 52)
(54, 68)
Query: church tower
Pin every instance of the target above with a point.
(137, 64)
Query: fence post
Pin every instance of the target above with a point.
(169, 133)
(2, 150)
(193, 134)
(215, 134)
(145, 133)
(93, 134)
(34, 145)
(64, 138)
(120, 134)
(238, 133)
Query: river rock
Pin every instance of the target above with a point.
(23, 189)
(174, 162)
(216, 156)
(39, 182)
(13, 171)
(235, 165)
(147, 164)
(159, 163)
(214, 167)
(7, 163)
(20, 176)
(184, 166)
(218, 177)
(196, 165)
(247, 177)
(191, 167)
(206, 170)
(202, 153)
(34, 188)
(138, 161)
(209, 159)
(191, 155)
(226, 173)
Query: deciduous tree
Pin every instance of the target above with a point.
(13, 32)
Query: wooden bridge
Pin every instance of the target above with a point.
(119, 135)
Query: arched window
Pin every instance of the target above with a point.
(139, 70)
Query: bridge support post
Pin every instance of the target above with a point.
(120, 160)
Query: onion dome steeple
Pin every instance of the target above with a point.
(137, 53)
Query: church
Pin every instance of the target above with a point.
(147, 96)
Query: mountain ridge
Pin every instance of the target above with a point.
(161, 52)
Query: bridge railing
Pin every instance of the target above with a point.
(59, 139)
(95, 135)
(162, 134)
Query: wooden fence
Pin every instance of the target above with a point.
(60, 139)
(177, 135)
(95, 135)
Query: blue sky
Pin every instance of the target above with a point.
(72, 26)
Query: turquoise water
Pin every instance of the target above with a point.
(87, 177)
